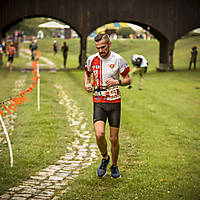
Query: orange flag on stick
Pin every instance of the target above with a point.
(6, 109)
(21, 98)
(17, 101)
(14, 108)
(2, 114)
(13, 104)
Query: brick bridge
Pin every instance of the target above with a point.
(167, 20)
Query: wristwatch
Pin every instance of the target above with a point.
(120, 82)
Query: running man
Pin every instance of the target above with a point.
(11, 53)
(106, 67)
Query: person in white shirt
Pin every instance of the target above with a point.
(106, 67)
(139, 67)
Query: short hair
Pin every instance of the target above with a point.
(194, 48)
(100, 37)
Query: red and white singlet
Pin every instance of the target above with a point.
(102, 69)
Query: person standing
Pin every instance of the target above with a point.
(4, 47)
(11, 53)
(1, 55)
(106, 67)
(139, 67)
(55, 47)
(65, 49)
(33, 47)
(193, 58)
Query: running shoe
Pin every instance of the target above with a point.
(101, 172)
(115, 172)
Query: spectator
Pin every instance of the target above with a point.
(64, 50)
(33, 47)
(4, 47)
(55, 47)
(139, 67)
(193, 58)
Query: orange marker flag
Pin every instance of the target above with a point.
(14, 108)
(13, 104)
(23, 98)
(17, 101)
(2, 114)
(6, 109)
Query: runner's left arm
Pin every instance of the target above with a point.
(112, 82)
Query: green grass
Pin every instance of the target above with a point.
(159, 135)
(159, 156)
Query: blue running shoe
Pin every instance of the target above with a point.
(115, 172)
(101, 172)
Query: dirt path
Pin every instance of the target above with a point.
(47, 63)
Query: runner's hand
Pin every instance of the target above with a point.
(88, 87)
(111, 82)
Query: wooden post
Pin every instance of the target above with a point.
(1, 52)
(83, 51)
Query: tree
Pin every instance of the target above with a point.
(30, 26)
(125, 32)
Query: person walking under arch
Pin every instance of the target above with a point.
(64, 50)
(33, 47)
(55, 47)
(193, 58)
(106, 67)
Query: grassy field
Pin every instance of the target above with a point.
(159, 135)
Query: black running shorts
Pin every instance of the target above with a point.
(112, 111)
(10, 58)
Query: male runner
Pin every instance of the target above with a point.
(106, 67)
(11, 53)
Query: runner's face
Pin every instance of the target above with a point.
(103, 48)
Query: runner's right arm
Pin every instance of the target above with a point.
(87, 79)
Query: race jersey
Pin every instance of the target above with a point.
(11, 50)
(102, 69)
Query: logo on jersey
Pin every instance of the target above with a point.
(111, 66)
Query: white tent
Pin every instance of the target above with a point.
(53, 24)
(196, 30)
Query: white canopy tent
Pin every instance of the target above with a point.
(53, 24)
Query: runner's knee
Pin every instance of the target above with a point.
(114, 139)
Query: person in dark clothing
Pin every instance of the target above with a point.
(55, 47)
(65, 49)
(4, 47)
(193, 58)
(33, 48)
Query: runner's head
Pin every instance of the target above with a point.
(103, 44)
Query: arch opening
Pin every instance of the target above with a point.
(184, 48)
(140, 31)
(22, 31)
